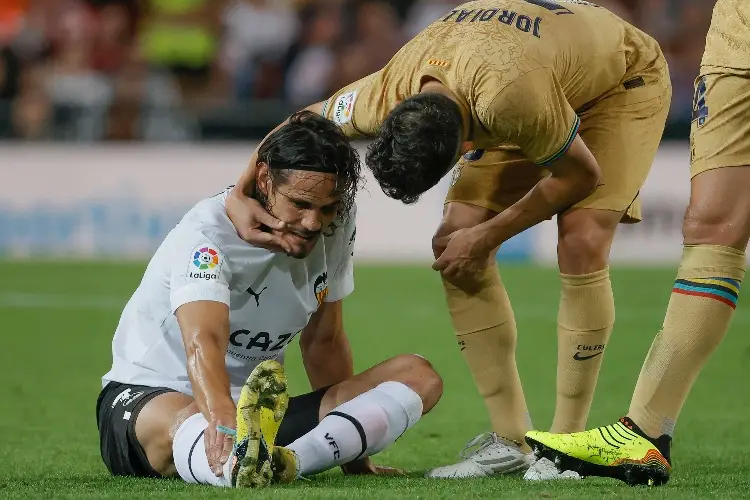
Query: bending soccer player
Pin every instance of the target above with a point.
(716, 230)
(558, 109)
(212, 316)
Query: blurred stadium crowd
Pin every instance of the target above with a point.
(156, 70)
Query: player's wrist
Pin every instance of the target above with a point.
(221, 410)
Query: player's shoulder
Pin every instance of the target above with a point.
(208, 212)
(207, 222)
(344, 224)
(342, 233)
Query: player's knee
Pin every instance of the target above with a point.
(715, 227)
(438, 245)
(446, 227)
(418, 374)
(695, 226)
(584, 243)
(583, 251)
(457, 216)
(431, 381)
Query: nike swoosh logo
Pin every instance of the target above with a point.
(577, 356)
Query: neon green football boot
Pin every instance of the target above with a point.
(619, 451)
(260, 410)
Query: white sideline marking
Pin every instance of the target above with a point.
(14, 300)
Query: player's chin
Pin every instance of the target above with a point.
(301, 247)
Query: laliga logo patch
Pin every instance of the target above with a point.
(321, 288)
(207, 260)
(343, 108)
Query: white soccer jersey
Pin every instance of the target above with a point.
(270, 296)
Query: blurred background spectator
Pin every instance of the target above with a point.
(173, 70)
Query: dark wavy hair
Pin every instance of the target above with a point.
(313, 143)
(417, 144)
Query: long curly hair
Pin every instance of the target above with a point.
(313, 143)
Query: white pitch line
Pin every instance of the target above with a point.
(15, 300)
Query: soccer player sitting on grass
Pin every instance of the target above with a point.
(212, 308)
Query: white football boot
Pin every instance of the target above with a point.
(545, 470)
(486, 455)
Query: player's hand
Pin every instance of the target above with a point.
(365, 466)
(219, 444)
(465, 256)
(250, 220)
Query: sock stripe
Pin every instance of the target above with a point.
(190, 456)
(726, 301)
(357, 426)
(708, 288)
(708, 285)
(730, 281)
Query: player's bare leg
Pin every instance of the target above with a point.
(486, 332)
(170, 428)
(409, 369)
(157, 424)
(362, 416)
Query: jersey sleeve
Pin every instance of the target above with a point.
(341, 281)
(199, 271)
(356, 107)
(533, 113)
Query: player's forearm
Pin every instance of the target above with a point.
(549, 197)
(208, 376)
(328, 362)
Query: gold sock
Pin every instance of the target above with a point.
(699, 312)
(486, 333)
(584, 323)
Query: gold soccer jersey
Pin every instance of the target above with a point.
(523, 70)
(728, 39)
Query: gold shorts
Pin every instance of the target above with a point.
(720, 131)
(622, 135)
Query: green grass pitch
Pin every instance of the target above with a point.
(58, 319)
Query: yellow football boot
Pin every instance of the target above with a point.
(260, 410)
(615, 450)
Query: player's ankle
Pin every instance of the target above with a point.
(663, 443)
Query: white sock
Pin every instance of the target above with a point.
(189, 453)
(358, 428)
